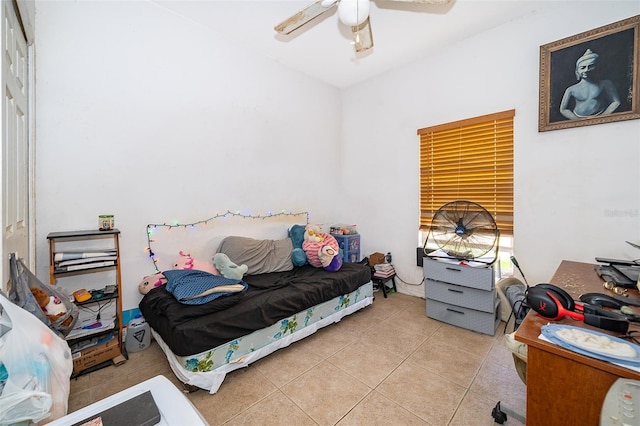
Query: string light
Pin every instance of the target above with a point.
(154, 227)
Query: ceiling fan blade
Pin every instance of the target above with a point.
(362, 36)
(425, 1)
(305, 15)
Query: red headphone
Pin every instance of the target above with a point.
(554, 303)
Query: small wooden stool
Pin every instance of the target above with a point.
(381, 282)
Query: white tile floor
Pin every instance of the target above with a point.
(386, 364)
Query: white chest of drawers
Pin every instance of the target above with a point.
(464, 296)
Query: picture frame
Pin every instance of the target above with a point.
(603, 62)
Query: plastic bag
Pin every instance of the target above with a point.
(22, 281)
(38, 365)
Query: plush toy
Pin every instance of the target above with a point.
(313, 233)
(41, 296)
(55, 308)
(298, 256)
(314, 243)
(151, 281)
(228, 268)
(51, 305)
(347, 231)
(330, 258)
(185, 261)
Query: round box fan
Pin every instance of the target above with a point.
(464, 230)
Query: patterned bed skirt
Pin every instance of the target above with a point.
(208, 369)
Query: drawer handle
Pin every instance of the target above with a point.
(453, 310)
(448, 268)
(455, 290)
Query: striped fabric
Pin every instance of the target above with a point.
(312, 249)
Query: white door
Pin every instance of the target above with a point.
(15, 141)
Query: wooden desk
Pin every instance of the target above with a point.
(564, 387)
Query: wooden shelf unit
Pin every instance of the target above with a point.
(56, 276)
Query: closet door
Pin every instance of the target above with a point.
(15, 140)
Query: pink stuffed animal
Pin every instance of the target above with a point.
(151, 281)
(185, 261)
(321, 248)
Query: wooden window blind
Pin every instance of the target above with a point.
(469, 160)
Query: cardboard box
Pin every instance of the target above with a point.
(95, 355)
(376, 258)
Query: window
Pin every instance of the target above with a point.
(471, 160)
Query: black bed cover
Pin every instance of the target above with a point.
(191, 329)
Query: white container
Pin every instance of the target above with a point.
(138, 335)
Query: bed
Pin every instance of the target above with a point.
(281, 305)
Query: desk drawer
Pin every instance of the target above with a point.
(482, 322)
(467, 297)
(469, 276)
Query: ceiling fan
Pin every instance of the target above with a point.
(354, 13)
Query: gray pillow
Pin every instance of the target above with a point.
(260, 256)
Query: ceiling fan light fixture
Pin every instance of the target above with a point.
(353, 12)
(327, 3)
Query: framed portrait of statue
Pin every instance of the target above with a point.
(591, 78)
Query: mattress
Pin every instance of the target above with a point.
(208, 369)
(270, 299)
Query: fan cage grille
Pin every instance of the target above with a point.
(464, 230)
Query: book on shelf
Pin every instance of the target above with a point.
(72, 255)
(387, 274)
(90, 326)
(383, 267)
(86, 260)
(90, 341)
(82, 266)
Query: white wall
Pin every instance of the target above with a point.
(577, 191)
(151, 118)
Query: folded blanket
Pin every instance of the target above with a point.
(194, 287)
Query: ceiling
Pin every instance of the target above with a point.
(402, 32)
